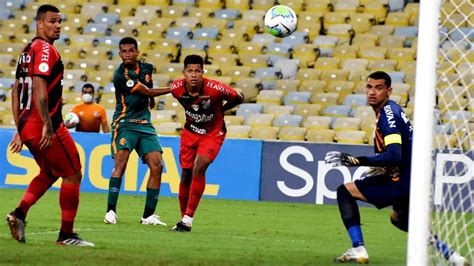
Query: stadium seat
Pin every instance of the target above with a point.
(185, 22)
(288, 67)
(101, 77)
(268, 76)
(364, 40)
(254, 60)
(345, 52)
(179, 34)
(330, 75)
(311, 27)
(305, 110)
(207, 33)
(211, 4)
(296, 38)
(173, 11)
(234, 35)
(209, 22)
(245, 109)
(350, 137)
(326, 44)
(382, 30)
(355, 64)
(238, 131)
(308, 74)
(397, 76)
(397, 19)
(317, 122)
(148, 12)
(262, 4)
(276, 50)
(325, 99)
(343, 32)
(306, 53)
(402, 54)
(361, 22)
(108, 41)
(233, 120)
(270, 97)
(237, 72)
(257, 119)
(183, 2)
(249, 27)
(378, 8)
(284, 120)
(264, 132)
(373, 53)
(238, 4)
(160, 116)
(297, 97)
(337, 110)
(286, 85)
(392, 41)
(342, 87)
(277, 110)
(92, 9)
(320, 135)
(292, 133)
(250, 87)
(346, 123)
(225, 59)
(382, 65)
(6, 83)
(355, 100)
(323, 63)
(168, 128)
(334, 18)
(313, 86)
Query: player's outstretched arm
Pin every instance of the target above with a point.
(152, 92)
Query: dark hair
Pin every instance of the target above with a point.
(43, 9)
(128, 40)
(88, 85)
(381, 75)
(193, 59)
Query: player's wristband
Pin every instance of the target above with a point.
(363, 160)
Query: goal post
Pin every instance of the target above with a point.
(423, 121)
(442, 183)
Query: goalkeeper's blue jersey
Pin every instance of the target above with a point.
(394, 127)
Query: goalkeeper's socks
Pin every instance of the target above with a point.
(355, 233)
(152, 195)
(198, 184)
(114, 189)
(69, 202)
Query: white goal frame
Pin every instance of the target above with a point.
(421, 172)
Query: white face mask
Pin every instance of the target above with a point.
(87, 98)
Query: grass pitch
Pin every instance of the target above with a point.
(225, 232)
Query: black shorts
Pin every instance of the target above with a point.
(382, 191)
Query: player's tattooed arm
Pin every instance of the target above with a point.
(40, 98)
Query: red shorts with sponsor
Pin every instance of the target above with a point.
(192, 144)
(61, 158)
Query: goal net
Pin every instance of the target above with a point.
(452, 191)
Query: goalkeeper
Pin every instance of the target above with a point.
(387, 183)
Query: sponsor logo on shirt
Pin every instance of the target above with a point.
(195, 107)
(206, 104)
(123, 141)
(43, 67)
(390, 116)
(130, 83)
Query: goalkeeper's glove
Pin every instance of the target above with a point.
(336, 159)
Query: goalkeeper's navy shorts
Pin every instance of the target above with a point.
(382, 191)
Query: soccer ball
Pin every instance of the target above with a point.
(71, 119)
(280, 21)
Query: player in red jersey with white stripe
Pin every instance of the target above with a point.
(36, 106)
(204, 101)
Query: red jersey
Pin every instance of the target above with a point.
(204, 113)
(39, 58)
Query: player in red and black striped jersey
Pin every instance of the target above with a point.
(36, 106)
(204, 101)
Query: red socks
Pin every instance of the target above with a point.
(198, 185)
(183, 196)
(38, 186)
(69, 202)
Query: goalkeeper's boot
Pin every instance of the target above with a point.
(72, 240)
(110, 217)
(152, 219)
(181, 227)
(457, 260)
(358, 255)
(17, 227)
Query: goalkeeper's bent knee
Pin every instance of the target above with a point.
(401, 223)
